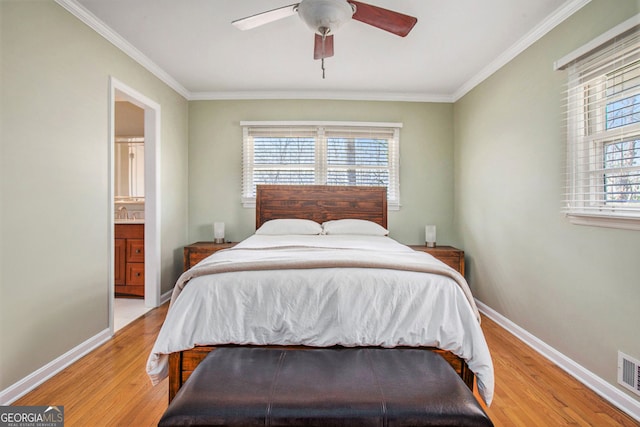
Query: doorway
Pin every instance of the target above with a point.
(122, 312)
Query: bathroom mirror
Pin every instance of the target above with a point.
(129, 168)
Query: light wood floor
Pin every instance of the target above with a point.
(109, 387)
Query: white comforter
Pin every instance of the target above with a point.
(349, 306)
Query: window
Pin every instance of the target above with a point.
(603, 134)
(326, 153)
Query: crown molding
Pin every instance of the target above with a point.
(320, 95)
(553, 20)
(548, 24)
(105, 31)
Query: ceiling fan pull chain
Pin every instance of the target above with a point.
(323, 68)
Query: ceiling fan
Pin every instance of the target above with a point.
(324, 17)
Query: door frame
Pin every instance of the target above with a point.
(152, 250)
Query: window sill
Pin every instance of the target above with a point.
(624, 223)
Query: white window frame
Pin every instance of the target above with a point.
(320, 166)
(585, 199)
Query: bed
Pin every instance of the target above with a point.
(298, 285)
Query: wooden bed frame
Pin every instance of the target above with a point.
(319, 203)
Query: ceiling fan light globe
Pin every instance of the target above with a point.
(325, 16)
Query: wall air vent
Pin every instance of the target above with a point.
(629, 372)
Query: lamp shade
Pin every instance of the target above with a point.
(430, 235)
(218, 232)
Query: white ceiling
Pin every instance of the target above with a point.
(192, 46)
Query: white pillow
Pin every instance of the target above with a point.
(289, 226)
(354, 226)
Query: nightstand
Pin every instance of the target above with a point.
(196, 252)
(451, 256)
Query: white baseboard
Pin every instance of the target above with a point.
(166, 296)
(30, 382)
(598, 385)
(604, 389)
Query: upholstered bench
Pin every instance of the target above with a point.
(324, 387)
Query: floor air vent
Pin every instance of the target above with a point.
(629, 372)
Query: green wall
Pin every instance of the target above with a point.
(426, 161)
(54, 181)
(576, 288)
(487, 170)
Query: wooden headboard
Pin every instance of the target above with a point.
(320, 203)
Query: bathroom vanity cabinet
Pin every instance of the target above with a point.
(129, 260)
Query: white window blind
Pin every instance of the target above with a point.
(325, 153)
(603, 134)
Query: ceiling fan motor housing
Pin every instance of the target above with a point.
(324, 17)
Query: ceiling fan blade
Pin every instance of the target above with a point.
(254, 21)
(320, 51)
(388, 20)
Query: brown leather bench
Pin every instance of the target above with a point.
(324, 387)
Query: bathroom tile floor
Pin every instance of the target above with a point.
(126, 310)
